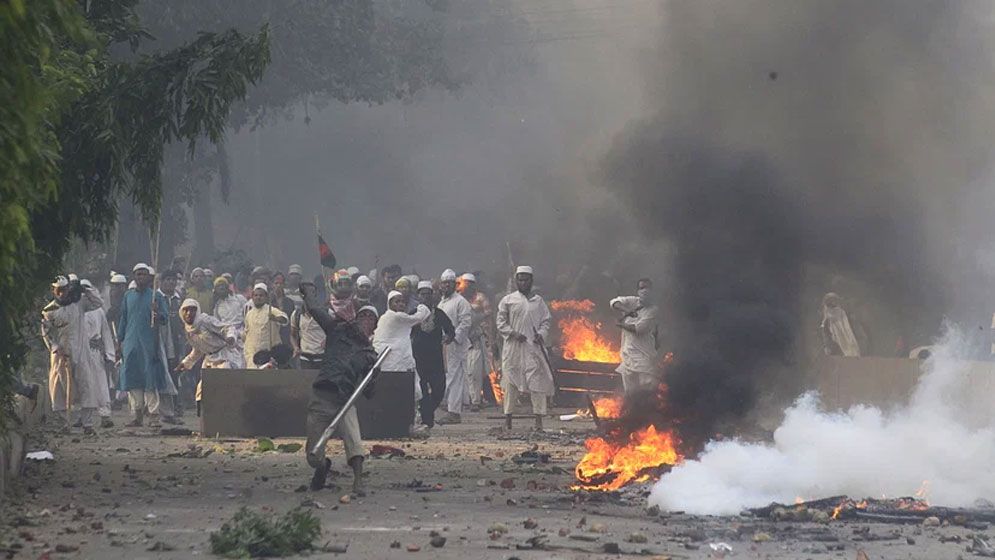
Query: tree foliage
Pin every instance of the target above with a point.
(81, 126)
(345, 51)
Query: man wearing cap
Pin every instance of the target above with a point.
(523, 321)
(262, 323)
(143, 366)
(461, 315)
(293, 289)
(115, 293)
(394, 330)
(64, 332)
(426, 346)
(407, 290)
(481, 333)
(100, 356)
(364, 287)
(199, 289)
(176, 337)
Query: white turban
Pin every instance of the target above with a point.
(524, 270)
(208, 272)
(196, 269)
(364, 281)
(132, 285)
(73, 277)
(118, 279)
(190, 302)
(425, 284)
(393, 294)
(469, 277)
(60, 282)
(352, 270)
(295, 269)
(140, 266)
(261, 286)
(448, 275)
(85, 282)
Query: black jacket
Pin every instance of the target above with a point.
(427, 346)
(348, 352)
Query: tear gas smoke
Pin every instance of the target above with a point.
(863, 452)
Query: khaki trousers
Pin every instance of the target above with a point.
(321, 409)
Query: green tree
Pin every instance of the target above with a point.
(82, 126)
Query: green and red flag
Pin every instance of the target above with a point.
(325, 253)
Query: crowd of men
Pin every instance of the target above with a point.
(147, 339)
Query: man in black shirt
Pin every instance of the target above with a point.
(426, 346)
(348, 356)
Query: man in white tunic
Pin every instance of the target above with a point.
(523, 322)
(64, 332)
(262, 324)
(100, 352)
(394, 330)
(639, 337)
(460, 313)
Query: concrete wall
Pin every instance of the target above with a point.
(13, 442)
(253, 402)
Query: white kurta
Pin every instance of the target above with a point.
(100, 350)
(262, 330)
(460, 313)
(64, 332)
(639, 354)
(214, 341)
(394, 330)
(522, 363)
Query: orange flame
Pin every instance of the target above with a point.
(580, 337)
(610, 466)
(495, 379)
(607, 408)
(572, 305)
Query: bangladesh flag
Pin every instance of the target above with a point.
(325, 253)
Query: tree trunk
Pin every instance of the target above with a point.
(203, 221)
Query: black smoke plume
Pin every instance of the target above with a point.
(795, 147)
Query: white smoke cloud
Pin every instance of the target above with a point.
(938, 437)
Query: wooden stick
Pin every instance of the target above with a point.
(594, 411)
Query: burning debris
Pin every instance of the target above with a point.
(907, 510)
(640, 456)
(581, 338)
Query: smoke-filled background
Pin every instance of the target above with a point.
(798, 148)
(750, 156)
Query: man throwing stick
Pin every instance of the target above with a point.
(348, 357)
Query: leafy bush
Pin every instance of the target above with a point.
(253, 535)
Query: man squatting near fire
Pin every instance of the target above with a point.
(348, 357)
(523, 321)
(639, 337)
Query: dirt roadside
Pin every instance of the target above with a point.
(133, 494)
